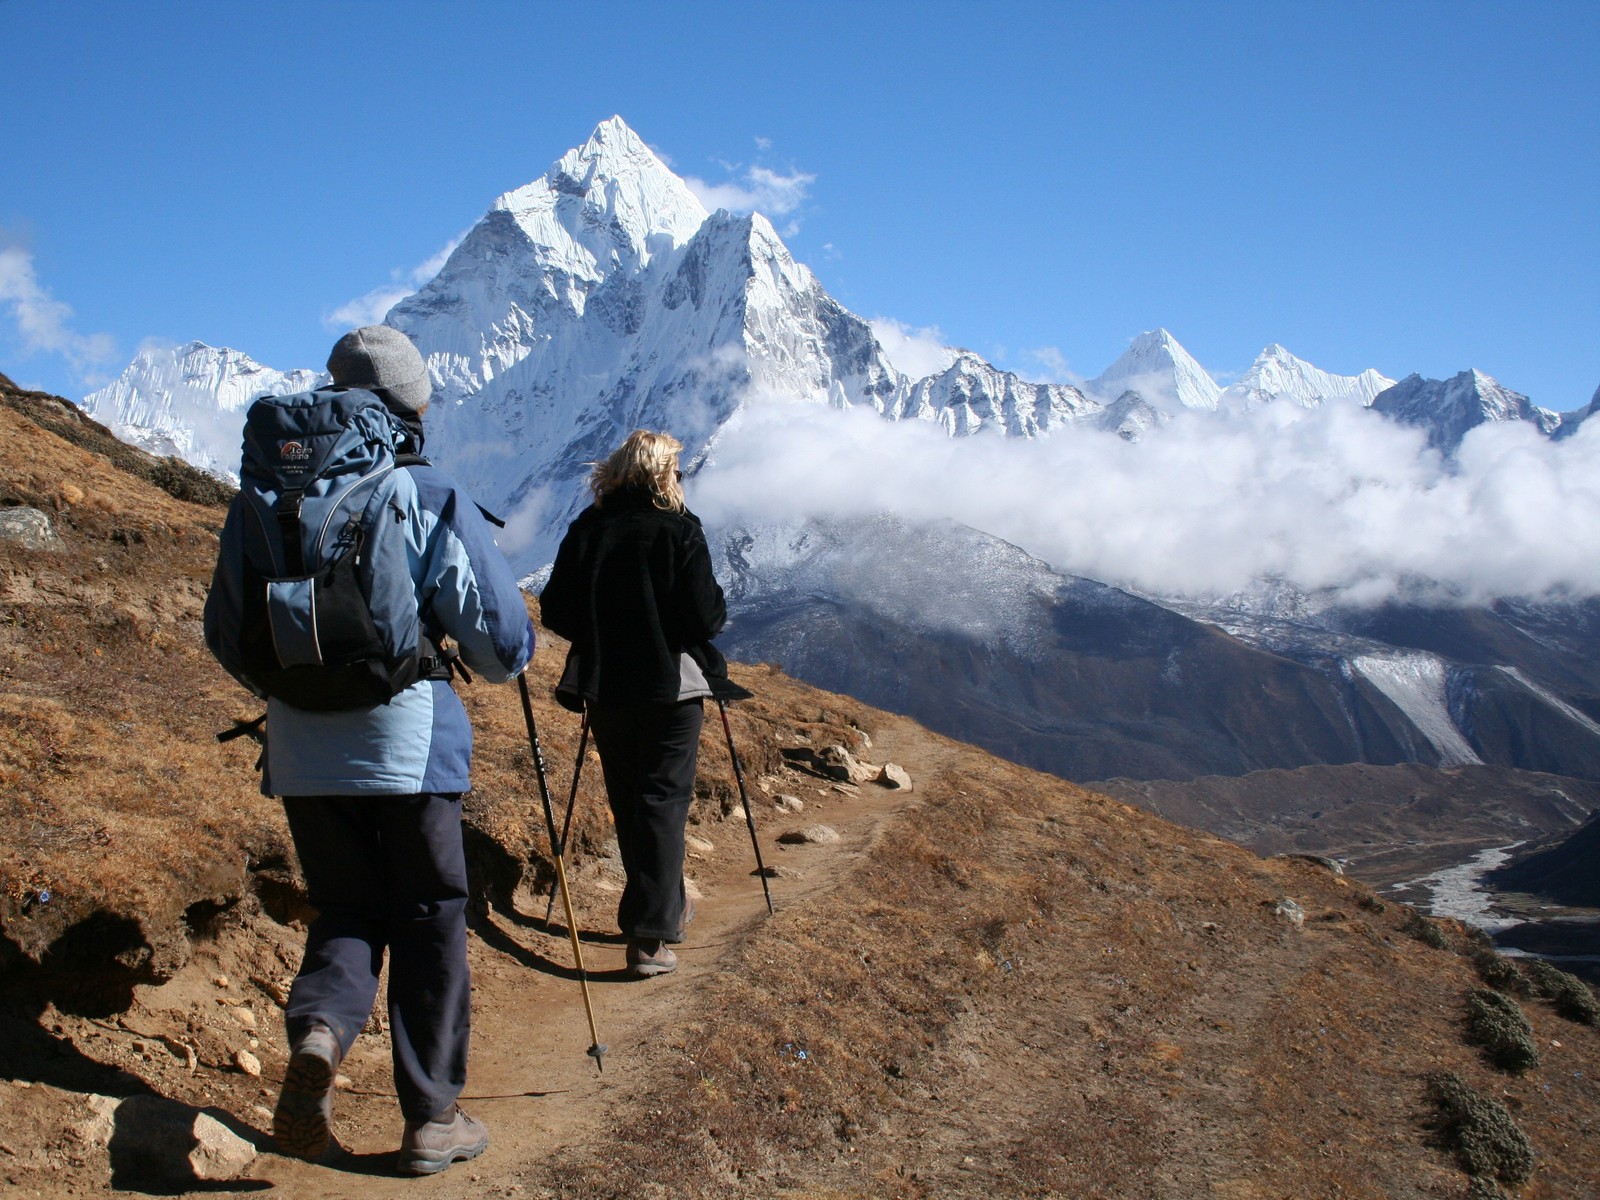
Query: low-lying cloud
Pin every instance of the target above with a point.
(1338, 498)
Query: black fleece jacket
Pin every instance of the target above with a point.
(632, 588)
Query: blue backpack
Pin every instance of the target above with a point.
(330, 618)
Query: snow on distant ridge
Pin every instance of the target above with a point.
(189, 401)
(1278, 375)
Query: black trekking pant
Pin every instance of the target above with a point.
(388, 872)
(648, 752)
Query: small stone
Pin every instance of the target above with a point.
(183, 1050)
(789, 804)
(698, 844)
(343, 1082)
(220, 980)
(811, 835)
(893, 776)
(779, 873)
(247, 1062)
(244, 1018)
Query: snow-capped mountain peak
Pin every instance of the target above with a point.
(1277, 374)
(1165, 374)
(610, 202)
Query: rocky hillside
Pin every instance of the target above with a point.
(989, 983)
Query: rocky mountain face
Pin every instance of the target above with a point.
(1447, 409)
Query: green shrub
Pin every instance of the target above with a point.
(1499, 972)
(1497, 1024)
(1427, 931)
(1572, 997)
(1480, 1130)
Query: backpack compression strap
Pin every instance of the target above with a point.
(288, 512)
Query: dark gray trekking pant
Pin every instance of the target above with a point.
(388, 872)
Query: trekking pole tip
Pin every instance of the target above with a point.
(598, 1053)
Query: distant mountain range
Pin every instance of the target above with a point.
(603, 297)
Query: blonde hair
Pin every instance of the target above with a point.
(648, 461)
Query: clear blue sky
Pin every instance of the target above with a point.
(1406, 186)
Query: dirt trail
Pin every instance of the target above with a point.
(530, 1078)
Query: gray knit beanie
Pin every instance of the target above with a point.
(376, 356)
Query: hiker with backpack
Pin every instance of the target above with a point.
(352, 581)
(633, 589)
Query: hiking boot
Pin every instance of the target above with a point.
(305, 1105)
(650, 958)
(430, 1146)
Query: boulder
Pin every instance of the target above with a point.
(894, 776)
(29, 528)
(1290, 912)
(151, 1137)
(838, 763)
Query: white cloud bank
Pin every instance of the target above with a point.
(44, 324)
(1340, 498)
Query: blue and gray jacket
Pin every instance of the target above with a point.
(421, 740)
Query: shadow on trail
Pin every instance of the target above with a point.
(557, 930)
(498, 939)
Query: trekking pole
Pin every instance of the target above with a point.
(596, 1050)
(572, 799)
(744, 798)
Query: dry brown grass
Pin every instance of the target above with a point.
(1029, 990)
